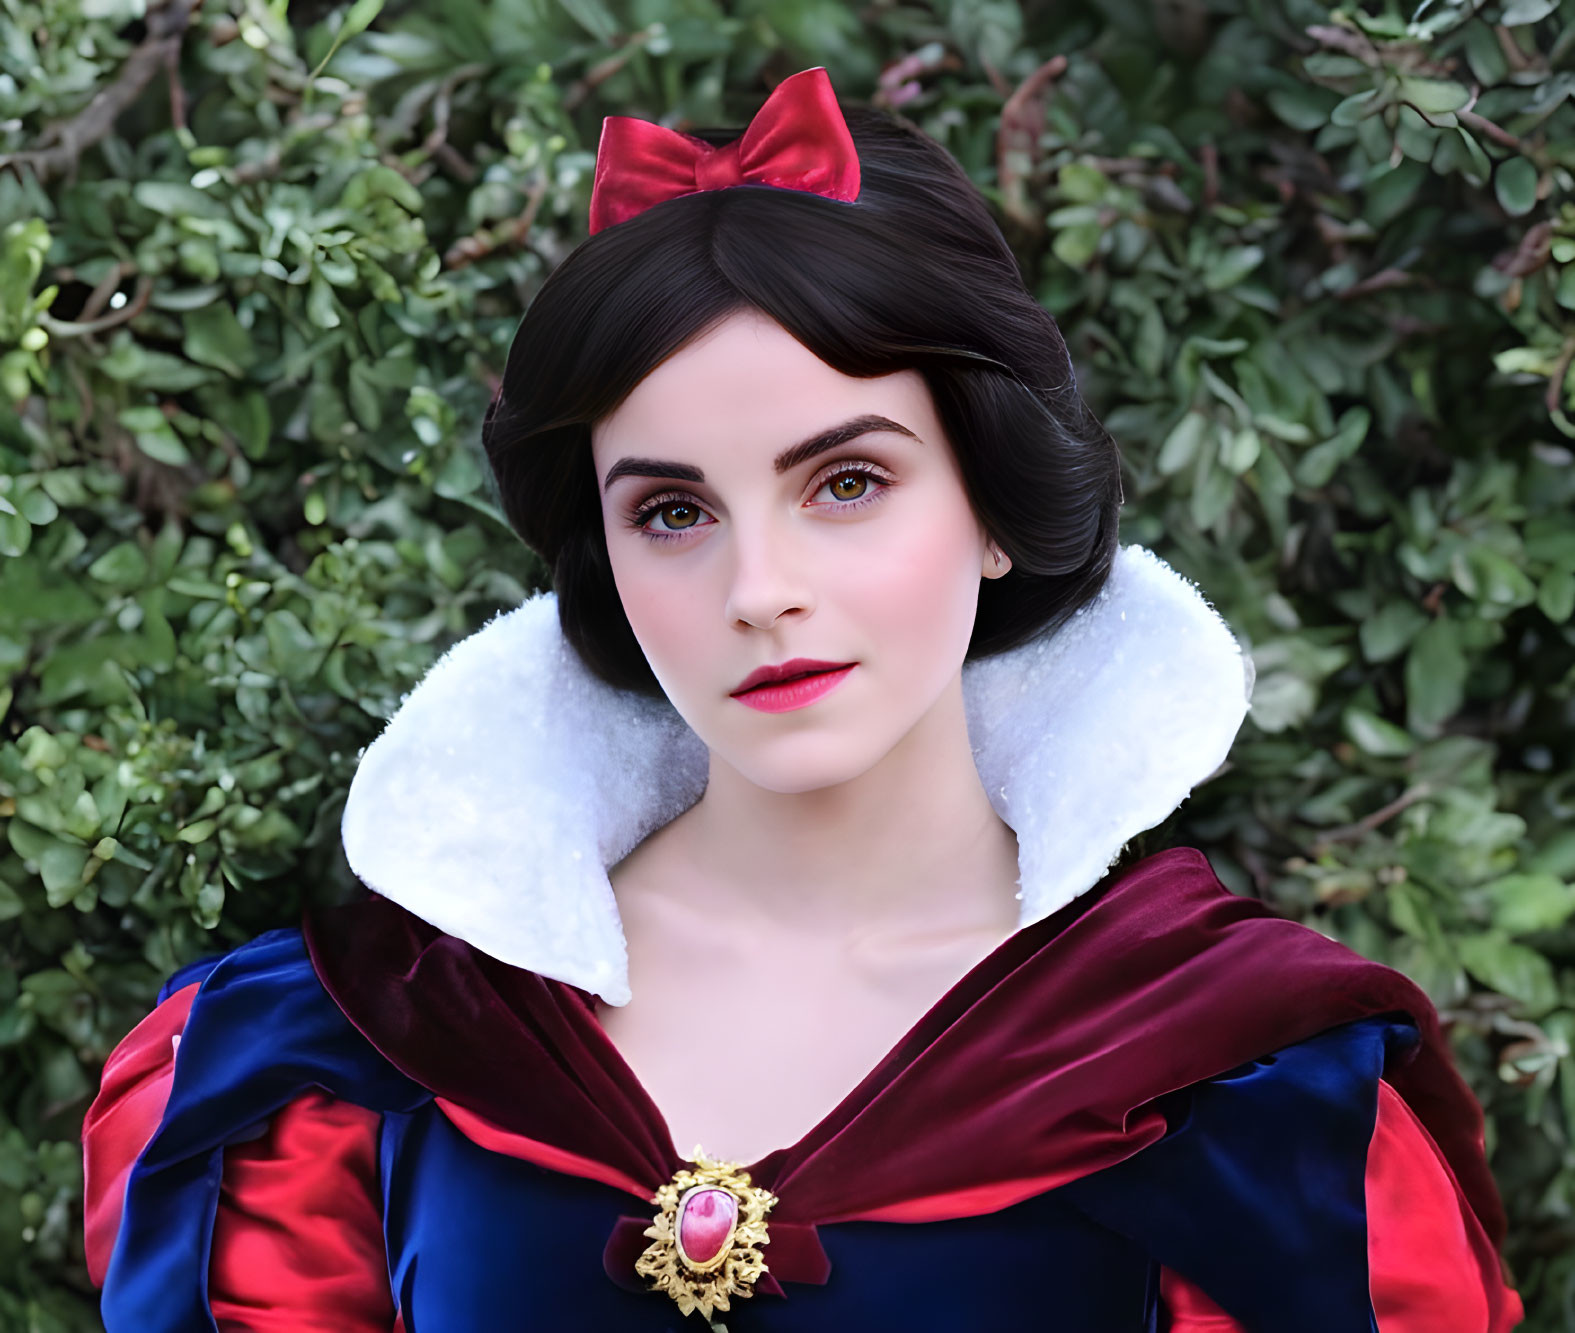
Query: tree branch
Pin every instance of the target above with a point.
(160, 49)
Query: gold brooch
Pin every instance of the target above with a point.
(705, 1236)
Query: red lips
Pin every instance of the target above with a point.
(774, 675)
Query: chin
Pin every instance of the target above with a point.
(797, 764)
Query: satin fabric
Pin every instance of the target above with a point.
(477, 1240)
(798, 140)
(260, 1032)
(1042, 1065)
(297, 1235)
(133, 1092)
(1274, 1155)
(1432, 1265)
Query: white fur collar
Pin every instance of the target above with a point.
(510, 778)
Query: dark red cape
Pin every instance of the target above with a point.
(1041, 1065)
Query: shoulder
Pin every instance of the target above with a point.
(245, 1061)
(237, 1034)
(1256, 1190)
(1300, 1190)
(232, 1039)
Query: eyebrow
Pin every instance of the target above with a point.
(785, 461)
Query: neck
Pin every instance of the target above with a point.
(911, 844)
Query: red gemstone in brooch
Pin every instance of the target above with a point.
(706, 1235)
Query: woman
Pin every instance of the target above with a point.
(785, 829)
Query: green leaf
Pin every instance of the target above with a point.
(1303, 107)
(1318, 465)
(365, 397)
(1292, 432)
(215, 338)
(1434, 97)
(35, 505)
(1486, 576)
(1374, 735)
(1181, 445)
(16, 535)
(356, 21)
(593, 16)
(459, 476)
(198, 831)
(161, 442)
(156, 372)
(1515, 184)
(1556, 595)
(1392, 193)
(1527, 902)
(1328, 65)
(1213, 489)
(1564, 292)
(1458, 151)
(1518, 13)
(1231, 267)
(1239, 449)
(171, 199)
(1076, 246)
(1081, 184)
(1355, 107)
(1523, 361)
(293, 650)
(380, 182)
(1410, 911)
(1484, 54)
(1389, 632)
(1435, 676)
(60, 866)
(124, 566)
(321, 307)
(1511, 969)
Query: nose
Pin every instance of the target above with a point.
(767, 577)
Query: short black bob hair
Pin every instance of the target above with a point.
(914, 274)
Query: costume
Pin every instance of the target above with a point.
(1155, 1106)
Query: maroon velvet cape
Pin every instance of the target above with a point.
(1041, 1065)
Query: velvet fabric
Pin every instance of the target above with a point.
(260, 1032)
(798, 140)
(475, 1240)
(1164, 1156)
(1040, 1066)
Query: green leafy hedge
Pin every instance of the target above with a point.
(259, 269)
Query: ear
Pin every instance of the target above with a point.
(996, 561)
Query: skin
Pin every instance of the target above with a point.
(844, 867)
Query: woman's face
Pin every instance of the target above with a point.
(760, 507)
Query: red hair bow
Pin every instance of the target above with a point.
(798, 140)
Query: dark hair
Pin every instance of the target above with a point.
(913, 275)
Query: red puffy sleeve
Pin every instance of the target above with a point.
(298, 1238)
(133, 1092)
(298, 1234)
(1431, 1267)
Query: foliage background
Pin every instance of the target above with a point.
(259, 269)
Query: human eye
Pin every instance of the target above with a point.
(673, 515)
(669, 516)
(853, 485)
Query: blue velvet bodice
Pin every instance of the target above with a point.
(1255, 1194)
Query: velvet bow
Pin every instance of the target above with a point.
(798, 140)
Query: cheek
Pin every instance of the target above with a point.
(920, 582)
(660, 608)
